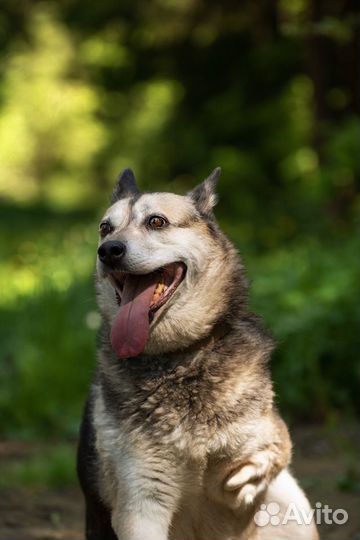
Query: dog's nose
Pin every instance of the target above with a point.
(111, 253)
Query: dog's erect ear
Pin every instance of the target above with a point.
(204, 195)
(125, 186)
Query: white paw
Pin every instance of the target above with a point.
(244, 484)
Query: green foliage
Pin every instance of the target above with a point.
(174, 88)
(306, 295)
(48, 127)
(52, 466)
(47, 315)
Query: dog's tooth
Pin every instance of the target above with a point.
(156, 296)
(159, 291)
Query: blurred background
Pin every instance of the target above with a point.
(172, 88)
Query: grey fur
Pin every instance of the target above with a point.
(194, 414)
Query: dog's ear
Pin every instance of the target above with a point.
(204, 195)
(125, 186)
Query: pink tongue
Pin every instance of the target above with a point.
(130, 330)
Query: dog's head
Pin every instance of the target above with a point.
(163, 269)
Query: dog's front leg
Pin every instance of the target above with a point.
(238, 481)
(147, 497)
(145, 520)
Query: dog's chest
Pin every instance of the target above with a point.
(182, 407)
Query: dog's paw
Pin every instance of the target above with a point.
(238, 486)
(245, 483)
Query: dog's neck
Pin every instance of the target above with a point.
(220, 330)
(169, 359)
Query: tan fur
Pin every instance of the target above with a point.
(188, 439)
(188, 318)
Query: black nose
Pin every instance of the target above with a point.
(111, 253)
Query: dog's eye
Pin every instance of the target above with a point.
(105, 228)
(157, 222)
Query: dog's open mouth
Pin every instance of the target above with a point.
(139, 297)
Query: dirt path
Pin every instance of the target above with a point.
(325, 462)
(28, 514)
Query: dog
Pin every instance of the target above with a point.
(180, 437)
